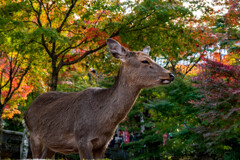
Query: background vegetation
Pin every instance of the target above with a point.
(61, 45)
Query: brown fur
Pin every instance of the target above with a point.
(84, 122)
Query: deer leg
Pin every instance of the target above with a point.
(47, 153)
(36, 147)
(99, 153)
(85, 150)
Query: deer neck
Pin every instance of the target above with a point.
(123, 96)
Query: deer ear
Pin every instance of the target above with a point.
(146, 49)
(116, 49)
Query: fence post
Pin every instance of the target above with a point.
(25, 143)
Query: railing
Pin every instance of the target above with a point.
(11, 144)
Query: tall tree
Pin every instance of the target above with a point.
(15, 58)
(69, 31)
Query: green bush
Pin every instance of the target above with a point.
(165, 110)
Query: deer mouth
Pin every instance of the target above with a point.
(165, 81)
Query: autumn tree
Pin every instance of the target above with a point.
(13, 71)
(220, 27)
(16, 59)
(218, 109)
(69, 31)
(227, 26)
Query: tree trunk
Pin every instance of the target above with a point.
(54, 81)
(55, 72)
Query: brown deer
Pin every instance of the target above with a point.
(84, 122)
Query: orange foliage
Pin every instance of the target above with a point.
(11, 107)
(183, 68)
(233, 15)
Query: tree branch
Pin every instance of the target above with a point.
(31, 22)
(39, 14)
(10, 93)
(33, 7)
(1, 87)
(70, 47)
(187, 71)
(88, 52)
(46, 47)
(145, 27)
(84, 55)
(67, 15)
(8, 29)
(47, 13)
(11, 81)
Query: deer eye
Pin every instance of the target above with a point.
(146, 62)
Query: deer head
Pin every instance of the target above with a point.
(140, 69)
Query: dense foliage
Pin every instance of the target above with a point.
(166, 111)
(219, 109)
(60, 45)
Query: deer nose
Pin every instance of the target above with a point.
(171, 76)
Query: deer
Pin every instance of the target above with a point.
(84, 122)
